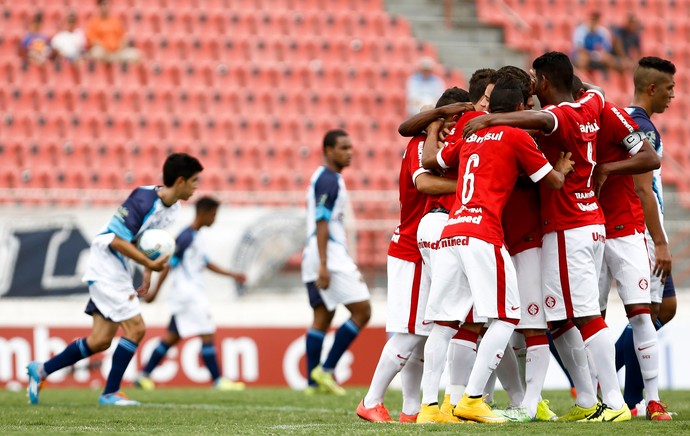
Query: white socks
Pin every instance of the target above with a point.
(571, 349)
(647, 350)
(489, 355)
(412, 380)
(461, 357)
(435, 353)
(537, 364)
(598, 342)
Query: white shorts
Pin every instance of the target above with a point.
(627, 262)
(428, 234)
(406, 299)
(195, 319)
(115, 304)
(656, 287)
(528, 269)
(571, 262)
(468, 271)
(345, 288)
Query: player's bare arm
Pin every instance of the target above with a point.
(417, 123)
(151, 295)
(238, 277)
(589, 86)
(432, 145)
(526, 120)
(643, 187)
(435, 185)
(324, 279)
(555, 179)
(644, 160)
(143, 289)
(128, 249)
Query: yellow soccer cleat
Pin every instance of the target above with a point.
(446, 407)
(326, 381)
(544, 412)
(475, 409)
(144, 383)
(577, 413)
(432, 414)
(607, 414)
(223, 384)
(313, 390)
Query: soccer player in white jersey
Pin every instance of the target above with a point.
(189, 305)
(408, 287)
(113, 301)
(328, 270)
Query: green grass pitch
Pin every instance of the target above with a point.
(278, 412)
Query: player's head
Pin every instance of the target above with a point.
(453, 95)
(507, 96)
(206, 209)
(103, 6)
(481, 84)
(337, 149)
(554, 75)
(36, 21)
(181, 172)
(525, 80)
(578, 88)
(654, 82)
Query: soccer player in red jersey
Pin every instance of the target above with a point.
(406, 294)
(574, 235)
(472, 271)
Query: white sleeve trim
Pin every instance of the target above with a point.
(541, 173)
(440, 160)
(418, 173)
(601, 96)
(555, 122)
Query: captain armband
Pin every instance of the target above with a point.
(633, 142)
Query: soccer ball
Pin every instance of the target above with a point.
(155, 243)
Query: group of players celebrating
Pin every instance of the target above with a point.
(513, 225)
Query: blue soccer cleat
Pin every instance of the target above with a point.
(35, 381)
(116, 399)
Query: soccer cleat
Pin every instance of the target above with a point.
(408, 419)
(35, 381)
(432, 414)
(313, 390)
(116, 399)
(144, 383)
(577, 413)
(544, 412)
(447, 407)
(475, 409)
(326, 381)
(223, 384)
(378, 413)
(656, 411)
(514, 414)
(607, 414)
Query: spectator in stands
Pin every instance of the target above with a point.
(593, 46)
(106, 37)
(70, 42)
(35, 46)
(626, 42)
(423, 87)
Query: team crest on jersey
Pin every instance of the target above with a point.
(651, 135)
(550, 302)
(121, 213)
(643, 284)
(533, 309)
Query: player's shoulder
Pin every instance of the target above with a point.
(186, 235)
(641, 118)
(613, 113)
(324, 177)
(144, 195)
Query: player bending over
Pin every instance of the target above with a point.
(189, 305)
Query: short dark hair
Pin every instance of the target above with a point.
(506, 96)
(521, 76)
(479, 81)
(556, 67)
(658, 64)
(577, 85)
(180, 165)
(206, 203)
(331, 137)
(453, 95)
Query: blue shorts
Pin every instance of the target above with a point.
(669, 288)
(315, 299)
(91, 309)
(172, 327)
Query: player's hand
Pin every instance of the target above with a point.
(324, 280)
(239, 278)
(474, 125)
(449, 110)
(443, 133)
(599, 177)
(662, 261)
(435, 127)
(143, 290)
(564, 165)
(159, 264)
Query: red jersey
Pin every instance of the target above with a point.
(618, 199)
(448, 159)
(490, 162)
(575, 130)
(404, 241)
(521, 220)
